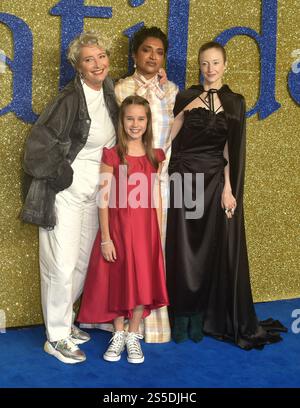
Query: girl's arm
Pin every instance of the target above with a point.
(227, 200)
(107, 246)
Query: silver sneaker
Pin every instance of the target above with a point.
(79, 336)
(65, 350)
(134, 350)
(117, 346)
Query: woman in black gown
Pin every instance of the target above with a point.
(206, 258)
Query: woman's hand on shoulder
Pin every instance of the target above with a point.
(162, 75)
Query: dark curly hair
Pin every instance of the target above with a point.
(145, 32)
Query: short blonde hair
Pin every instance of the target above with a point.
(86, 39)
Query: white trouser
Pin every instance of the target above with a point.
(65, 251)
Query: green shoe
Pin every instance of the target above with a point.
(180, 329)
(196, 328)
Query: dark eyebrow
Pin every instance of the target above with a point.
(150, 46)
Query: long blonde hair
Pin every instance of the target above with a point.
(147, 138)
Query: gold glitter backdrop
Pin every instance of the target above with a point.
(272, 148)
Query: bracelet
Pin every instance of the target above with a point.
(105, 242)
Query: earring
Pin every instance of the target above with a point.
(134, 65)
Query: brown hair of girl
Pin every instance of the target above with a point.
(147, 138)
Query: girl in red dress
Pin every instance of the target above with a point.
(126, 277)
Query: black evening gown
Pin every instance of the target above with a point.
(206, 258)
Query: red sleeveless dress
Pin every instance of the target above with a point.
(137, 277)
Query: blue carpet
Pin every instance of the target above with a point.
(210, 363)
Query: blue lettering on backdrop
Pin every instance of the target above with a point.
(178, 41)
(129, 33)
(21, 66)
(72, 19)
(136, 3)
(72, 16)
(266, 42)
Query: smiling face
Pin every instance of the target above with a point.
(212, 66)
(149, 57)
(93, 66)
(135, 121)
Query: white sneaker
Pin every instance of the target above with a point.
(134, 350)
(117, 346)
(65, 350)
